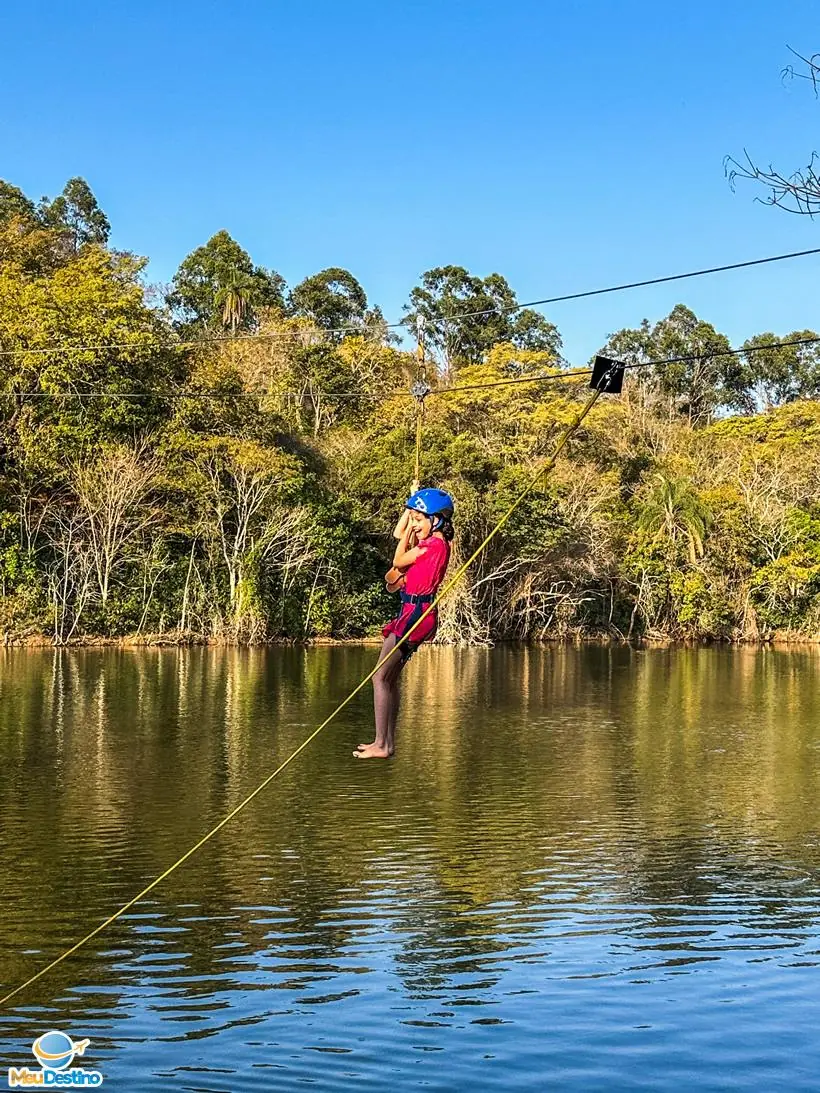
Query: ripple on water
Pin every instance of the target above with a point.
(587, 871)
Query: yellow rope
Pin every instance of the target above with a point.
(421, 382)
(544, 469)
(419, 416)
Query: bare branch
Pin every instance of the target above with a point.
(798, 192)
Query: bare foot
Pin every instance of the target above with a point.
(374, 744)
(372, 751)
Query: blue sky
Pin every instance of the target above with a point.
(565, 146)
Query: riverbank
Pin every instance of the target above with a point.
(169, 640)
(182, 641)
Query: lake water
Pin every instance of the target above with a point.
(592, 869)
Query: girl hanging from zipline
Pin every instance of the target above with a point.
(424, 532)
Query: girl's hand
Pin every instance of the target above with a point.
(401, 526)
(414, 486)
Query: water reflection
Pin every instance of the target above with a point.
(580, 856)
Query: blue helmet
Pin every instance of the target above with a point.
(433, 503)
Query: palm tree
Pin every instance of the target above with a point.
(673, 512)
(234, 297)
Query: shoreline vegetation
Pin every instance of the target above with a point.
(220, 460)
(172, 641)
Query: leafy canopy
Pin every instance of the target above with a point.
(330, 299)
(464, 316)
(200, 283)
(697, 379)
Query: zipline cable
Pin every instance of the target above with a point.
(544, 377)
(459, 317)
(544, 469)
(548, 376)
(632, 284)
(419, 390)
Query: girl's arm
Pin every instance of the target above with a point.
(406, 550)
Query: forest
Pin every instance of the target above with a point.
(223, 458)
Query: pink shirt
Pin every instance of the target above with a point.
(427, 572)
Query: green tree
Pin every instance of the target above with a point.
(235, 496)
(785, 373)
(697, 378)
(664, 558)
(328, 387)
(214, 267)
(28, 248)
(464, 316)
(531, 330)
(14, 203)
(234, 299)
(40, 238)
(77, 212)
(52, 380)
(332, 299)
(674, 515)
